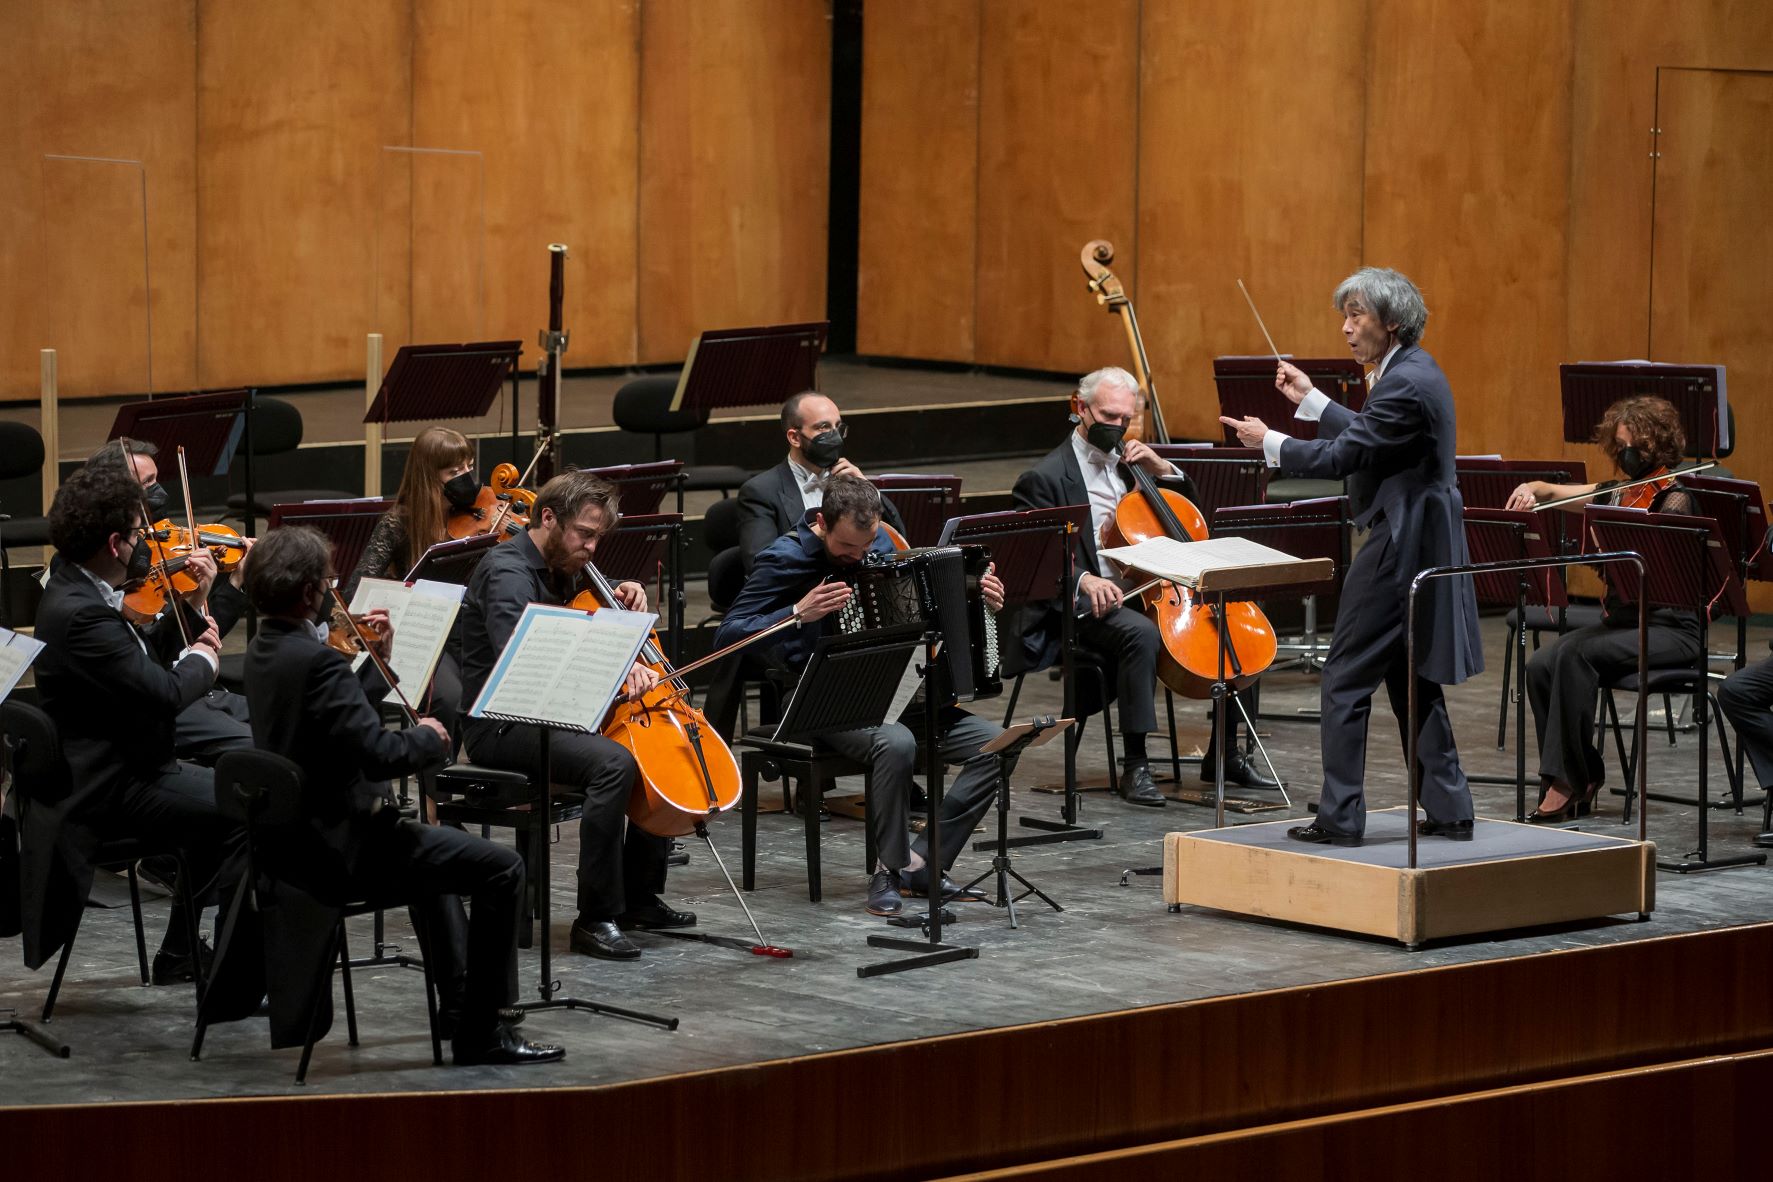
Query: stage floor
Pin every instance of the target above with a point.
(1112, 948)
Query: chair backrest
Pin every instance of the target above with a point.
(644, 406)
(258, 788)
(726, 578)
(21, 450)
(33, 753)
(276, 427)
(720, 525)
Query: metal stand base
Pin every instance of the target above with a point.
(1000, 860)
(1132, 872)
(930, 954)
(1695, 864)
(1050, 832)
(36, 1034)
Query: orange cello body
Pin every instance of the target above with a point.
(1188, 659)
(687, 772)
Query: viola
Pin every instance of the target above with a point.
(1188, 661)
(502, 506)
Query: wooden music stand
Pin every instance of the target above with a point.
(1246, 388)
(649, 548)
(1698, 393)
(346, 524)
(1222, 476)
(750, 366)
(925, 503)
(643, 486)
(1687, 568)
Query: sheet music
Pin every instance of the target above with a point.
(563, 667)
(16, 654)
(421, 615)
(909, 683)
(1185, 562)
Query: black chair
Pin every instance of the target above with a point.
(276, 429)
(1668, 681)
(263, 791)
(473, 794)
(40, 776)
(643, 406)
(21, 455)
(1088, 666)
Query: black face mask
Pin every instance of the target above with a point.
(1105, 436)
(1633, 463)
(461, 491)
(140, 561)
(823, 449)
(156, 498)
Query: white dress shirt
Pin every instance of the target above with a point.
(1311, 408)
(114, 598)
(1102, 479)
(812, 485)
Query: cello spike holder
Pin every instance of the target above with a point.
(762, 947)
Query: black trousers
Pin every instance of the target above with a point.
(1127, 642)
(213, 724)
(1564, 677)
(442, 700)
(1369, 650)
(618, 871)
(177, 807)
(1747, 701)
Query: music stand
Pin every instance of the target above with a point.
(211, 427)
(425, 383)
(1222, 476)
(1486, 483)
(1697, 392)
(924, 503)
(648, 548)
(1246, 388)
(1318, 527)
(1513, 536)
(750, 366)
(1034, 557)
(1687, 568)
(642, 487)
(1008, 747)
(452, 561)
(346, 524)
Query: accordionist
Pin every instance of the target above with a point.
(802, 573)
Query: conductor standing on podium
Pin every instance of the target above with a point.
(1397, 457)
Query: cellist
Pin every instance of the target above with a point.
(1085, 469)
(620, 876)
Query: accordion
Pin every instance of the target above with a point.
(939, 586)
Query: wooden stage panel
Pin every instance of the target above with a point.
(1508, 876)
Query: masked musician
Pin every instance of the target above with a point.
(773, 504)
(351, 843)
(620, 877)
(793, 576)
(1086, 469)
(115, 694)
(1397, 457)
(1640, 436)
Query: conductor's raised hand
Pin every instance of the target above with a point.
(991, 587)
(631, 595)
(1250, 430)
(1102, 594)
(1290, 380)
(821, 601)
(641, 679)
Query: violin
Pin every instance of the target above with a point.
(687, 772)
(1188, 661)
(1096, 255)
(169, 548)
(503, 505)
(1641, 496)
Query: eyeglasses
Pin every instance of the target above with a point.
(842, 428)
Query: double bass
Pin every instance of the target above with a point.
(1148, 425)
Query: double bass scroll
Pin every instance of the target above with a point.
(1097, 254)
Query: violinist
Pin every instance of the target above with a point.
(437, 484)
(351, 843)
(1397, 457)
(620, 876)
(115, 693)
(217, 721)
(1086, 469)
(792, 576)
(1639, 436)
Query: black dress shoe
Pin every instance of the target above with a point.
(1136, 787)
(1315, 834)
(916, 883)
(173, 968)
(604, 940)
(883, 893)
(1765, 840)
(657, 917)
(1451, 830)
(1240, 770)
(449, 1019)
(502, 1047)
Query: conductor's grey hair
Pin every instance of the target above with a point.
(1390, 296)
(1112, 375)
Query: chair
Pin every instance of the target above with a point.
(1090, 667)
(474, 794)
(21, 455)
(40, 774)
(263, 791)
(815, 769)
(643, 406)
(1681, 679)
(276, 429)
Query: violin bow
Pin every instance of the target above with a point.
(412, 716)
(1606, 487)
(147, 524)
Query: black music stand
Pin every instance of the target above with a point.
(925, 503)
(1246, 388)
(452, 561)
(346, 524)
(1687, 569)
(648, 548)
(211, 427)
(1033, 554)
(1697, 392)
(1318, 527)
(750, 366)
(1222, 476)
(425, 383)
(1008, 747)
(1486, 482)
(1513, 535)
(643, 486)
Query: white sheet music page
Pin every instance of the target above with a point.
(421, 615)
(563, 667)
(16, 654)
(1185, 562)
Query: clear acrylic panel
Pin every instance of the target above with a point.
(430, 248)
(94, 299)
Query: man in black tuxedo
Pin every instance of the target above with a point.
(772, 504)
(351, 842)
(114, 694)
(1086, 469)
(1397, 457)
